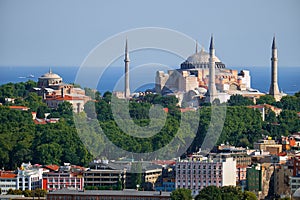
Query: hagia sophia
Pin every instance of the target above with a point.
(203, 76)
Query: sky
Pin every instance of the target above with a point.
(64, 32)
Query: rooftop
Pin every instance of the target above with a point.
(111, 193)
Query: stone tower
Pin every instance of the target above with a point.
(274, 90)
(212, 91)
(126, 60)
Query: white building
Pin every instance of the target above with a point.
(28, 177)
(8, 180)
(294, 183)
(197, 174)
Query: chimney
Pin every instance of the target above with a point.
(33, 115)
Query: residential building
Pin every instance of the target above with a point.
(197, 174)
(104, 174)
(29, 177)
(282, 180)
(268, 145)
(8, 180)
(55, 181)
(254, 178)
(294, 183)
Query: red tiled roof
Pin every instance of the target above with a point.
(282, 154)
(7, 175)
(52, 167)
(65, 98)
(164, 162)
(19, 107)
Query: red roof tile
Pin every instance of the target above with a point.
(7, 175)
(19, 107)
(52, 167)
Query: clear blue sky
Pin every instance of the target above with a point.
(62, 33)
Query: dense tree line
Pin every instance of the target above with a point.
(214, 193)
(28, 193)
(21, 140)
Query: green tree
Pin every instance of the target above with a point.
(239, 100)
(209, 193)
(33, 101)
(247, 195)
(181, 194)
(49, 153)
(290, 103)
(90, 109)
(266, 99)
(38, 192)
(136, 174)
(231, 193)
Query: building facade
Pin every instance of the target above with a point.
(8, 180)
(195, 175)
(57, 180)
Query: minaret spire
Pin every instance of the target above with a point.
(126, 60)
(212, 91)
(196, 46)
(211, 46)
(274, 43)
(274, 89)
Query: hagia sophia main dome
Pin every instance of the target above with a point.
(200, 60)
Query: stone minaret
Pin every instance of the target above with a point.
(126, 60)
(274, 90)
(212, 91)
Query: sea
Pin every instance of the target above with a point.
(288, 77)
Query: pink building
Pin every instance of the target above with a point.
(197, 174)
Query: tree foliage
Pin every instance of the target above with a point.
(266, 99)
(21, 140)
(239, 100)
(181, 194)
(224, 193)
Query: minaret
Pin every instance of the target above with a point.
(126, 60)
(274, 90)
(212, 91)
(196, 46)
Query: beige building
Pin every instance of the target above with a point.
(268, 145)
(282, 176)
(194, 75)
(54, 91)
